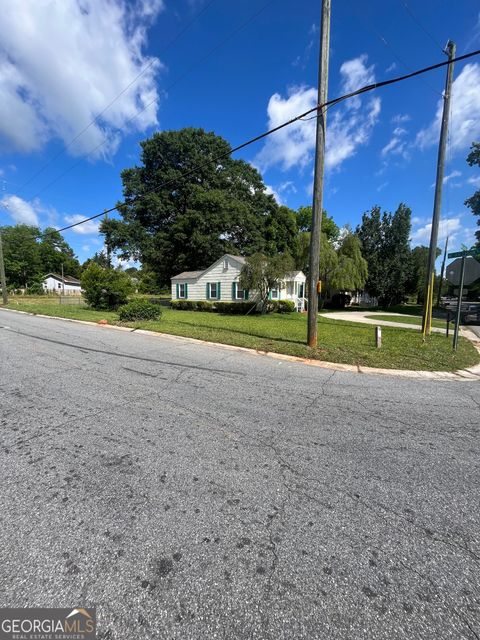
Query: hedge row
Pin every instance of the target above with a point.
(233, 308)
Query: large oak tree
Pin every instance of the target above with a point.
(183, 207)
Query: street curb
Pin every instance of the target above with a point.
(462, 375)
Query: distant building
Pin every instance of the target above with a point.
(53, 283)
(220, 281)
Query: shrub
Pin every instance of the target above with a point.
(139, 310)
(105, 288)
(285, 306)
(235, 308)
(184, 305)
(36, 289)
(204, 305)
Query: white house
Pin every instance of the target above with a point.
(221, 282)
(53, 283)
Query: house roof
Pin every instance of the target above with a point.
(66, 279)
(188, 274)
(197, 274)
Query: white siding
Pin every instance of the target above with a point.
(197, 287)
(54, 285)
(226, 271)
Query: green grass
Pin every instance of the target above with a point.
(344, 342)
(441, 324)
(339, 341)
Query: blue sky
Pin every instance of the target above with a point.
(236, 70)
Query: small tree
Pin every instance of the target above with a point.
(261, 274)
(105, 288)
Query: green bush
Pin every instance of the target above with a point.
(285, 306)
(235, 308)
(139, 310)
(105, 289)
(36, 289)
(204, 305)
(184, 305)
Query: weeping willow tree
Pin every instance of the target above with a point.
(344, 268)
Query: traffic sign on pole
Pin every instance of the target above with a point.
(469, 252)
(472, 271)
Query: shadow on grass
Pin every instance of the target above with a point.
(251, 334)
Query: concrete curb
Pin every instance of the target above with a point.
(462, 375)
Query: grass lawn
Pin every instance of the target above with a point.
(345, 342)
(441, 324)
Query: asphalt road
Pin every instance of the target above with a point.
(193, 492)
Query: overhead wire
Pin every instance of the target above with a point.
(387, 44)
(233, 33)
(317, 107)
(152, 62)
(420, 25)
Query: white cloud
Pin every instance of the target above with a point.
(87, 228)
(21, 211)
(474, 180)
(397, 146)
(450, 227)
(454, 174)
(273, 192)
(400, 118)
(465, 112)
(392, 67)
(348, 127)
(382, 186)
(61, 63)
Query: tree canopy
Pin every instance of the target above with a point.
(385, 246)
(473, 202)
(183, 208)
(29, 254)
(262, 273)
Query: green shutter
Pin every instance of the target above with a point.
(234, 290)
(219, 290)
(270, 294)
(207, 291)
(186, 291)
(245, 294)
(177, 290)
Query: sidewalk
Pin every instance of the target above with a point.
(360, 316)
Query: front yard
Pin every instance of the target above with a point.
(339, 341)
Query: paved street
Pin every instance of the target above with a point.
(193, 492)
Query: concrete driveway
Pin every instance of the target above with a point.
(192, 492)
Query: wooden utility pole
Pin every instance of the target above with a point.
(442, 273)
(317, 208)
(432, 252)
(3, 281)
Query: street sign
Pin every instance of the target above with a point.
(460, 254)
(472, 271)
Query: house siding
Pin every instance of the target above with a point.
(197, 287)
(225, 277)
(51, 284)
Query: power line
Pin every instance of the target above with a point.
(420, 25)
(233, 33)
(144, 70)
(387, 44)
(329, 103)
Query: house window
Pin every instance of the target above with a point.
(238, 294)
(59, 285)
(274, 294)
(212, 290)
(225, 265)
(181, 290)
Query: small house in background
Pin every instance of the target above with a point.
(220, 281)
(54, 283)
